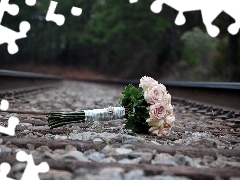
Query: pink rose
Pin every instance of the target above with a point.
(154, 94)
(169, 109)
(146, 82)
(157, 111)
(167, 98)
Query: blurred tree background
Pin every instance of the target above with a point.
(121, 40)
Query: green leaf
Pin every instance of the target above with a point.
(137, 109)
(130, 123)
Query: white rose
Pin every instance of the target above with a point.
(146, 82)
(157, 111)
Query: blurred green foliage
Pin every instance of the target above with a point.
(198, 47)
(124, 40)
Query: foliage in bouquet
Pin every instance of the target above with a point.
(136, 109)
(148, 108)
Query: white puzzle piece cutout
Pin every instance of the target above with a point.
(30, 2)
(4, 170)
(7, 35)
(76, 11)
(31, 171)
(4, 105)
(59, 19)
(133, 1)
(209, 10)
(12, 121)
(10, 130)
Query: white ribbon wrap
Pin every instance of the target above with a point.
(105, 114)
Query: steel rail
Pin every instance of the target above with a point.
(16, 80)
(220, 94)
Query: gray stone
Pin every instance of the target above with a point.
(55, 175)
(134, 175)
(18, 167)
(128, 146)
(30, 147)
(146, 156)
(123, 151)
(26, 131)
(60, 137)
(178, 142)
(49, 136)
(96, 156)
(104, 174)
(88, 152)
(130, 161)
(43, 149)
(75, 155)
(234, 178)
(59, 151)
(185, 161)
(168, 177)
(80, 173)
(107, 149)
(109, 160)
(164, 159)
(211, 143)
(4, 151)
(190, 126)
(97, 140)
(119, 156)
(117, 153)
(70, 148)
(112, 173)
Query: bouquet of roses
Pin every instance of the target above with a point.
(147, 109)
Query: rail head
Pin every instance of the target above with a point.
(11, 73)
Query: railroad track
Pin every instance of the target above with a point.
(204, 143)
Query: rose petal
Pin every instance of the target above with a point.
(146, 82)
(156, 123)
(157, 111)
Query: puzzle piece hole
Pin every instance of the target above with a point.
(76, 11)
(12, 48)
(30, 2)
(51, 16)
(13, 9)
(24, 27)
(4, 105)
(156, 6)
(180, 20)
(133, 1)
(4, 169)
(233, 29)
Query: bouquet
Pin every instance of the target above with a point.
(147, 109)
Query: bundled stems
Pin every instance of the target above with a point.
(57, 119)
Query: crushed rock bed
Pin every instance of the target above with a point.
(111, 143)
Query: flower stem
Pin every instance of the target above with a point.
(57, 119)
